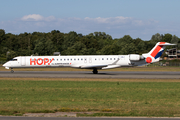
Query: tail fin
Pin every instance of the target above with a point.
(156, 52)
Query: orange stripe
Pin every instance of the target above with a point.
(157, 49)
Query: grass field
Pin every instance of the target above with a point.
(106, 97)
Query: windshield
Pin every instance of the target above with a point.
(13, 60)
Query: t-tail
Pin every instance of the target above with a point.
(156, 52)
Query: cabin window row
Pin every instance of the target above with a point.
(77, 59)
(106, 59)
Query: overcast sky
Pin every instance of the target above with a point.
(137, 18)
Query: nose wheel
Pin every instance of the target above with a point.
(12, 70)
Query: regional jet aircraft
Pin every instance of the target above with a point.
(93, 62)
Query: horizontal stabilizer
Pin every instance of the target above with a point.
(166, 44)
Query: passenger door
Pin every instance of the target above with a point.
(85, 60)
(23, 61)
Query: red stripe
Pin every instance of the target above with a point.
(157, 49)
(162, 43)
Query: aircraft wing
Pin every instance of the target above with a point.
(99, 66)
(93, 66)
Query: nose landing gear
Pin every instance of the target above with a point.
(12, 70)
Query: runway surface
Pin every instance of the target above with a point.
(94, 118)
(89, 74)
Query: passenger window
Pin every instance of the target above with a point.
(67, 59)
(110, 58)
(60, 59)
(78, 58)
(107, 58)
(64, 59)
(74, 59)
(57, 59)
(71, 59)
(81, 59)
(102, 58)
(114, 58)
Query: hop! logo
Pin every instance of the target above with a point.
(41, 61)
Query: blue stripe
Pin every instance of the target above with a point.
(159, 54)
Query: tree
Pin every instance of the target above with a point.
(157, 37)
(127, 38)
(174, 39)
(167, 38)
(127, 49)
(141, 47)
(2, 35)
(10, 54)
(77, 49)
(44, 47)
(107, 50)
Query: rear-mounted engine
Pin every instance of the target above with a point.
(135, 57)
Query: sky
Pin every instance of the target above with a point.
(137, 18)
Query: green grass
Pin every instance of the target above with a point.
(104, 97)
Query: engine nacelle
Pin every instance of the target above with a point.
(134, 57)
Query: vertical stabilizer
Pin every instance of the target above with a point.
(156, 52)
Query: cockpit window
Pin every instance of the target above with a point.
(13, 60)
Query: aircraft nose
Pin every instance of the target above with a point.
(4, 65)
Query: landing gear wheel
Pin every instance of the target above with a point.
(12, 70)
(95, 71)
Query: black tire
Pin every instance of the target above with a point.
(95, 71)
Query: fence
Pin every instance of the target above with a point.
(169, 63)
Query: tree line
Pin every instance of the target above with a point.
(97, 43)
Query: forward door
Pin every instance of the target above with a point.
(23, 61)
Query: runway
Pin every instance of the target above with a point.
(89, 74)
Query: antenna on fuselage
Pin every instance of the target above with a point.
(57, 54)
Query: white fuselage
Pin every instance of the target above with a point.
(82, 61)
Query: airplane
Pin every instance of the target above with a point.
(94, 62)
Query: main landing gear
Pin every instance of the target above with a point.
(95, 71)
(12, 70)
